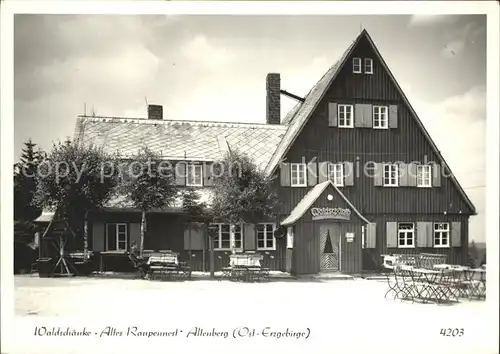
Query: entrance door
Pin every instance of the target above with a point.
(329, 237)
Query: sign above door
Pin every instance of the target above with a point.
(330, 213)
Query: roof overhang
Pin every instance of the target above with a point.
(45, 217)
(309, 199)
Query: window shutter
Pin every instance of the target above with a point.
(403, 175)
(285, 174)
(456, 237)
(358, 115)
(368, 115)
(289, 237)
(430, 234)
(207, 175)
(249, 237)
(323, 172)
(135, 233)
(98, 236)
(378, 174)
(180, 174)
(195, 241)
(312, 173)
(332, 114)
(363, 115)
(412, 175)
(393, 116)
(371, 235)
(348, 174)
(421, 234)
(392, 234)
(436, 175)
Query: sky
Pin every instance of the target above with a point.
(213, 67)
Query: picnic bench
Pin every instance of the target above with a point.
(166, 265)
(245, 267)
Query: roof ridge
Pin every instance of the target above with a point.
(106, 119)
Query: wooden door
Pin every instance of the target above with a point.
(329, 237)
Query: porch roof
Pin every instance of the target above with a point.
(46, 216)
(310, 198)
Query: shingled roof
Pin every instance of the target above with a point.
(267, 144)
(180, 140)
(299, 115)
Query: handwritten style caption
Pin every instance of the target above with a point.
(195, 332)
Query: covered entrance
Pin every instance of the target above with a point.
(328, 232)
(329, 241)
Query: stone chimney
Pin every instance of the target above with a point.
(155, 112)
(273, 102)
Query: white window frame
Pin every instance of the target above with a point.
(424, 174)
(334, 169)
(345, 113)
(391, 181)
(191, 175)
(380, 116)
(438, 233)
(405, 232)
(295, 170)
(356, 65)
(368, 62)
(265, 229)
(218, 237)
(117, 227)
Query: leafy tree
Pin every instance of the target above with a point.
(148, 184)
(74, 180)
(242, 192)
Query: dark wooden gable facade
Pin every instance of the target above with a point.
(361, 147)
(404, 142)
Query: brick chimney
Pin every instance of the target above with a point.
(273, 102)
(155, 112)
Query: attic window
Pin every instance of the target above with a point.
(356, 65)
(194, 176)
(368, 66)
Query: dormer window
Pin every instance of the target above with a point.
(356, 65)
(368, 66)
(194, 176)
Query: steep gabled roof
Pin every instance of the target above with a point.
(311, 197)
(180, 140)
(301, 113)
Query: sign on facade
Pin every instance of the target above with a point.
(349, 236)
(330, 213)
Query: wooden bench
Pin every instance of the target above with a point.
(429, 260)
(165, 265)
(245, 267)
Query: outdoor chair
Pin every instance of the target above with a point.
(140, 265)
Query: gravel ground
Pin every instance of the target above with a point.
(352, 314)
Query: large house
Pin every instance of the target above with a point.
(358, 176)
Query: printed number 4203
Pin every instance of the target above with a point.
(452, 332)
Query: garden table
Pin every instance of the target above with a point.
(167, 264)
(471, 282)
(429, 284)
(245, 267)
